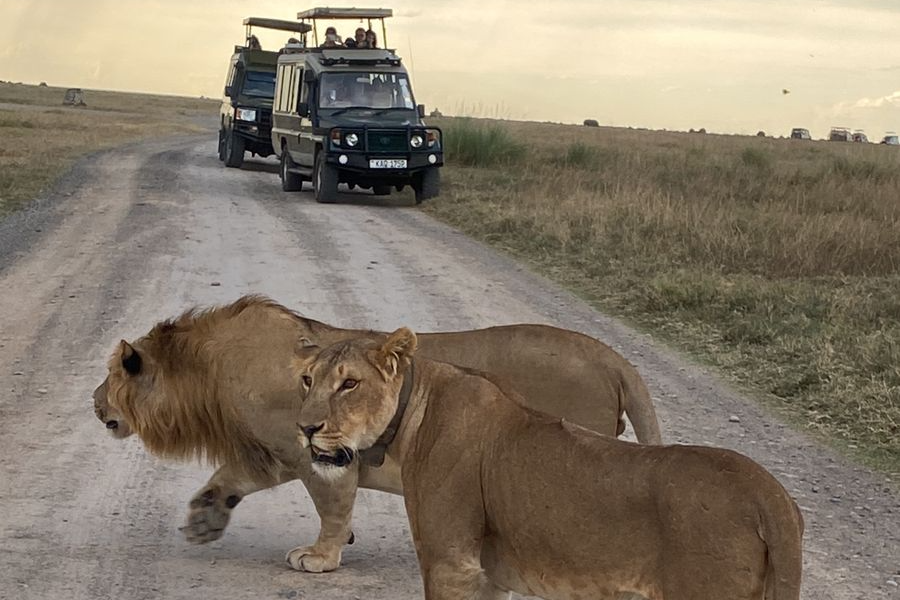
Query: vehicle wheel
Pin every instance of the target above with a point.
(290, 182)
(326, 180)
(381, 190)
(222, 144)
(427, 184)
(234, 150)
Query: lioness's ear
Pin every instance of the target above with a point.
(397, 351)
(131, 360)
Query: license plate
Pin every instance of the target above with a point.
(387, 163)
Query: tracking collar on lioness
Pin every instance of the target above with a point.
(374, 455)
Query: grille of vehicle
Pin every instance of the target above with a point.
(265, 118)
(387, 141)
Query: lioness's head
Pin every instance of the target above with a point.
(124, 367)
(348, 396)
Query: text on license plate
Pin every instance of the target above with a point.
(387, 163)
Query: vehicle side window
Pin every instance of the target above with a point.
(281, 83)
(230, 77)
(284, 92)
(295, 88)
(304, 91)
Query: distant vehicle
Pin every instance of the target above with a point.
(840, 134)
(860, 137)
(245, 116)
(891, 139)
(798, 133)
(348, 115)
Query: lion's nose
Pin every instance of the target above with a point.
(112, 424)
(310, 430)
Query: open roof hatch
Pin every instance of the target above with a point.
(357, 14)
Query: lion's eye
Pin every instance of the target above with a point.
(349, 384)
(307, 380)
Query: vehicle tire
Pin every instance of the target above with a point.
(325, 183)
(290, 182)
(427, 184)
(221, 144)
(381, 190)
(234, 150)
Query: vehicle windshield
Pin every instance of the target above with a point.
(892, 139)
(259, 83)
(365, 90)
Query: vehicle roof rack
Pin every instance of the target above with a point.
(327, 12)
(330, 12)
(377, 56)
(277, 24)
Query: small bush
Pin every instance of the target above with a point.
(756, 158)
(581, 156)
(481, 145)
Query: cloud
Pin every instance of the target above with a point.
(889, 100)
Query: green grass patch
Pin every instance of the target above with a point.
(476, 144)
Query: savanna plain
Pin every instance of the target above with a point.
(773, 263)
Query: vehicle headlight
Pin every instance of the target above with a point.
(245, 114)
(416, 141)
(352, 139)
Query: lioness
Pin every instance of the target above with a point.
(217, 384)
(503, 498)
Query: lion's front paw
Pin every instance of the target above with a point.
(209, 512)
(313, 560)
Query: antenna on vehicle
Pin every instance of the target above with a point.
(412, 63)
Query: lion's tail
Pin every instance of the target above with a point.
(635, 399)
(784, 544)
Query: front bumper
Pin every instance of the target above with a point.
(358, 162)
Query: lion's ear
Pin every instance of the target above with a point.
(131, 360)
(305, 351)
(397, 351)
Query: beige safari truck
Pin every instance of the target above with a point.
(346, 114)
(245, 116)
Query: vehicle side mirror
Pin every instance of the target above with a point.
(421, 109)
(228, 90)
(303, 109)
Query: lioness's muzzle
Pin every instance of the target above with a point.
(341, 458)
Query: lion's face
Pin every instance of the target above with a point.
(125, 394)
(112, 418)
(348, 395)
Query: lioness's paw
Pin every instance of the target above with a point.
(208, 515)
(313, 560)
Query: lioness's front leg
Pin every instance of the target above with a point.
(334, 501)
(210, 508)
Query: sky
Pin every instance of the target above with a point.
(718, 64)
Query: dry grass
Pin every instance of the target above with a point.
(777, 260)
(40, 138)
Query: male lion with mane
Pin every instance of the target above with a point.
(217, 384)
(503, 498)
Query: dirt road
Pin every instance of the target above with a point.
(141, 233)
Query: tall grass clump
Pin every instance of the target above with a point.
(473, 144)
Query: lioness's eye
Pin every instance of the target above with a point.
(307, 380)
(349, 384)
